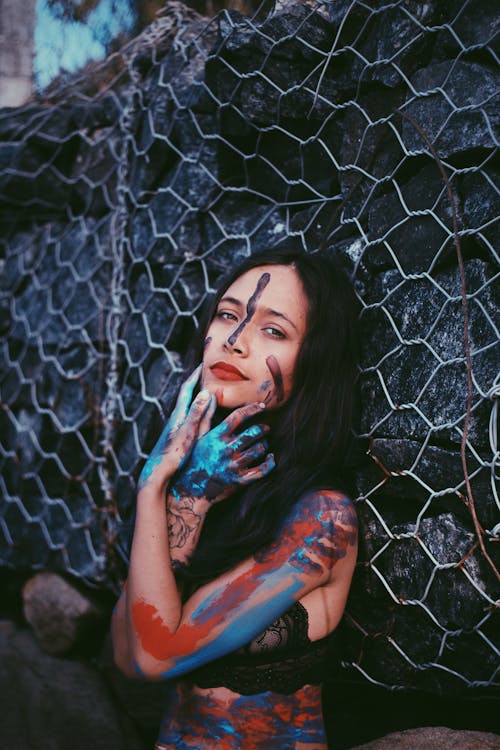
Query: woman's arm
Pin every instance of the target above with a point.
(150, 573)
(217, 466)
(168, 639)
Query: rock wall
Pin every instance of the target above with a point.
(367, 129)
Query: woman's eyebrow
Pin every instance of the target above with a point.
(270, 311)
(232, 301)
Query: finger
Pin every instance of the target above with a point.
(198, 408)
(257, 472)
(248, 436)
(241, 414)
(258, 450)
(184, 438)
(184, 398)
(206, 421)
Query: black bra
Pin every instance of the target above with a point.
(281, 659)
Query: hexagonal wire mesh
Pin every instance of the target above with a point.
(367, 128)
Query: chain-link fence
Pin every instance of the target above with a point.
(365, 128)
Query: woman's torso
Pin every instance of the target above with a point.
(212, 716)
(220, 719)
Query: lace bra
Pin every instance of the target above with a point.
(281, 659)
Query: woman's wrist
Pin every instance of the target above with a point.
(177, 501)
(152, 491)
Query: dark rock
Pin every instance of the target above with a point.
(187, 78)
(389, 401)
(454, 104)
(392, 42)
(427, 474)
(235, 226)
(55, 701)
(416, 343)
(298, 31)
(62, 282)
(94, 174)
(439, 738)
(477, 24)
(481, 206)
(61, 616)
(54, 142)
(409, 226)
(286, 77)
(185, 164)
(434, 570)
(157, 236)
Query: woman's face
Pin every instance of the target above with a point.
(254, 339)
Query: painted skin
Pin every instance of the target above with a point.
(258, 329)
(312, 559)
(229, 612)
(317, 546)
(232, 722)
(268, 310)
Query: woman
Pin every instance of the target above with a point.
(236, 600)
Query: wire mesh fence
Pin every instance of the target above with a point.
(368, 129)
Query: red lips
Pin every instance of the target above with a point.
(225, 371)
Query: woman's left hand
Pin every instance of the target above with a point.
(223, 459)
(178, 436)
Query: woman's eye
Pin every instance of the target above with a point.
(224, 315)
(275, 332)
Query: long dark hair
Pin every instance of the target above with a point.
(310, 434)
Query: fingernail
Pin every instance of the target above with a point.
(262, 405)
(204, 395)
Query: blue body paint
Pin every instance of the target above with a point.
(211, 469)
(252, 622)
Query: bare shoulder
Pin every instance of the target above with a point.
(321, 528)
(331, 504)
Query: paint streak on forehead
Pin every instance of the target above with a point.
(251, 307)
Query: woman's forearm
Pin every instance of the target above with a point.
(185, 518)
(153, 603)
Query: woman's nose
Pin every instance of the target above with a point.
(238, 340)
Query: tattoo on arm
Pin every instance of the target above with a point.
(184, 527)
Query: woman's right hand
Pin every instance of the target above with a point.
(223, 460)
(178, 436)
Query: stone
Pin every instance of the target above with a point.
(481, 206)
(236, 226)
(439, 738)
(56, 702)
(477, 24)
(458, 112)
(403, 230)
(426, 473)
(55, 299)
(417, 337)
(58, 161)
(61, 616)
(290, 71)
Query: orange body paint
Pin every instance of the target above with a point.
(155, 636)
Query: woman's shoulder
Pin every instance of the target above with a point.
(320, 528)
(327, 500)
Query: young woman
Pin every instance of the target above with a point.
(237, 580)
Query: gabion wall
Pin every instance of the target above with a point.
(367, 128)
